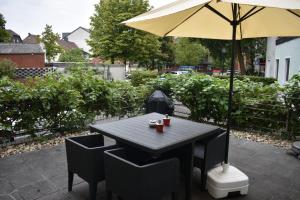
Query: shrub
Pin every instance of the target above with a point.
(17, 107)
(292, 98)
(257, 79)
(61, 103)
(205, 96)
(58, 104)
(92, 88)
(140, 77)
(126, 99)
(255, 106)
(165, 83)
(7, 68)
(72, 55)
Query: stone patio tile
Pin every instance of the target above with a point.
(274, 175)
(37, 190)
(5, 186)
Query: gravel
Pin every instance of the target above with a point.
(263, 138)
(37, 145)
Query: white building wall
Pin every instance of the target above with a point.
(290, 49)
(79, 37)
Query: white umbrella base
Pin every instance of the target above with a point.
(296, 149)
(226, 179)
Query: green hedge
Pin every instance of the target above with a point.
(63, 102)
(68, 102)
(7, 68)
(256, 105)
(141, 77)
(256, 79)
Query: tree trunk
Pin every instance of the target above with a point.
(240, 58)
(112, 60)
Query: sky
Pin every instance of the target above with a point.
(31, 16)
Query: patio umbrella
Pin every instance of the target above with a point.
(222, 19)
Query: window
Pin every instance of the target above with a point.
(277, 68)
(287, 68)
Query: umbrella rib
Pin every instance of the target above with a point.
(240, 24)
(184, 20)
(218, 13)
(250, 15)
(293, 13)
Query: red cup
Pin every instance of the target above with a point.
(167, 121)
(159, 128)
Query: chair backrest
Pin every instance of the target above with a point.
(135, 181)
(87, 162)
(215, 150)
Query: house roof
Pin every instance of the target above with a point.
(282, 40)
(12, 33)
(66, 45)
(31, 39)
(65, 35)
(19, 48)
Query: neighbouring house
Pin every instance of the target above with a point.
(66, 45)
(283, 58)
(14, 37)
(79, 37)
(31, 39)
(24, 55)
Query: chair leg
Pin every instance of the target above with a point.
(119, 198)
(108, 195)
(70, 180)
(203, 178)
(174, 195)
(93, 190)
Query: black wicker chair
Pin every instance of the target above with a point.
(208, 153)
(133, 175)
(85, 158)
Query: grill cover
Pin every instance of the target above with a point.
(160, 103)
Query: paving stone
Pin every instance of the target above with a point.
(37, 190)
(22, 179)
(5, 186)
(5, 197)
(42, 175)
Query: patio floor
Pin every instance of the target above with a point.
(42, 175)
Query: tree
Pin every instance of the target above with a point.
(72, 55)
(7, 68)
(4, 35)
(168, 52)
(146, 51)
(189, 53)
(252, 48)
(49, 39)
(247, 48)
(110, 39)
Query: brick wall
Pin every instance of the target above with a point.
(26, 60)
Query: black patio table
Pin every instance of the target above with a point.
(180, 135)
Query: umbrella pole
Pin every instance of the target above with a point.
(234, 24)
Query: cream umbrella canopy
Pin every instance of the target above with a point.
(222, 19)
(214, 19)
